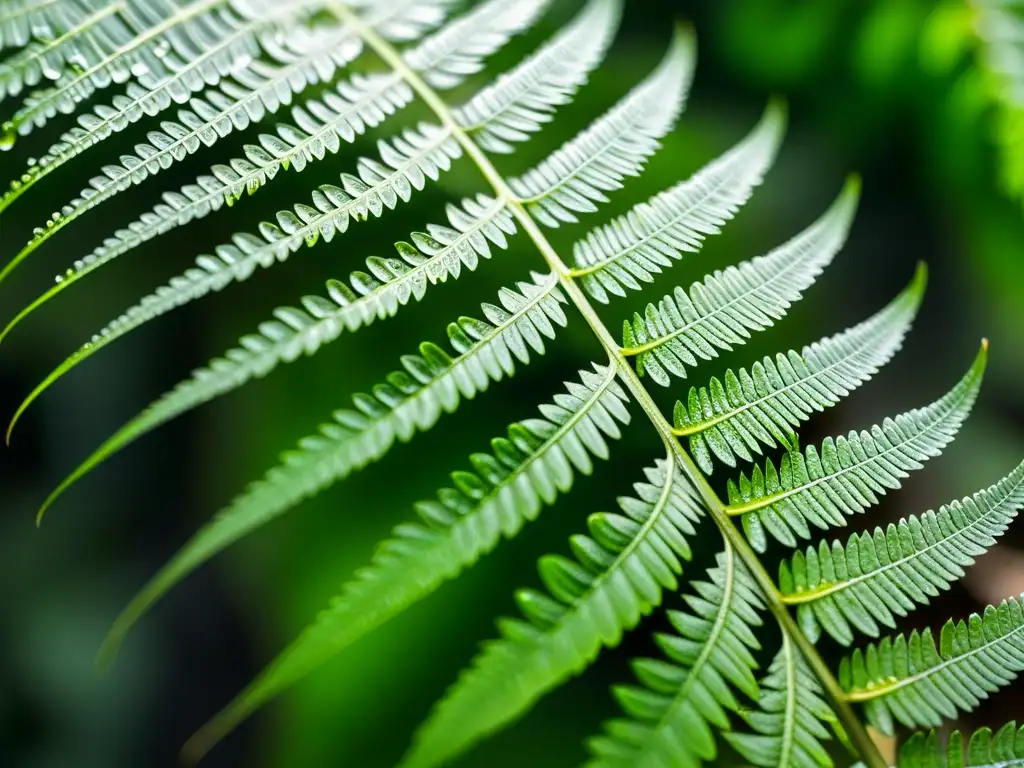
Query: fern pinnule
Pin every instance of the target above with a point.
(522, 100)
(617, 577)
(880, 575)
(1002, 749)
(527, 471)
(791, 719)
(721, 311)
(733, 419)
(709, 660)
(918, 682)
(47, 57)
(850, 473)
(633, 248)
(575, 178)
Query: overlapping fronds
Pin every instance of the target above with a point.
(917, 682)
(791, 719)
(521, 101)
(577, 177)
(23, 20)
(681, 700)
(132, 43)
(506, 489)
(721, 311)
(731, 419)
(849, 473)
(617, 577)
(881, 575)
(411, 400)
(1002, 749)
(633, 248)
(405, 166)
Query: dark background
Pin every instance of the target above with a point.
(870, 89)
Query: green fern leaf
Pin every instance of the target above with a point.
(459, 50)
(691, 692)
(633, 248)
(919, 684)
(408, 162)
(576, 177)
(47, 57)
(411, 401)
(733, 419)
(23, 20)
(850, 473)
(789, 723)
(621, 571)
(721, 311)
(889, 573)
(257, 88)
(1004, 749)
(131, 44)
(520, 102)
(527, 472)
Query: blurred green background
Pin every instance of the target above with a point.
(888, 89)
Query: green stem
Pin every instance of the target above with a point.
(718, 510)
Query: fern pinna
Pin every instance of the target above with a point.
(209, 68)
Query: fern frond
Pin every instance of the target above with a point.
(789, 722)
(889, 573)
(622, 568)
(400, 21)
(521, 101)
(256, 88)
(920, 683)
(526, 472)
(48, 57)
(679, 703)
(721, 311)
(577, 176)
(635, 247)
(851, 472)
(1003, 749)
(459, 50)
(766, 404)
(408, 162)
(130, 44)
(410, 401)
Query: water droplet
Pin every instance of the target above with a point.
(59, 279)
(8, 137)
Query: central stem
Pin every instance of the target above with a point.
(717, 509)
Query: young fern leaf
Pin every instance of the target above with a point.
(765, 405)
(635, 247)
(622, 569)
(885, 574)
(672, 715)
(48, 57)
(408, 161)
(576, 177)
(526, 472)
(789, 723)
(1003, 749)
(410, 401)
(919, 683)
(721, 311)
(851, 472)
(130, 44)
(521, 101)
